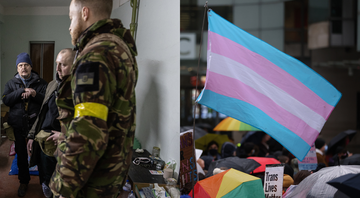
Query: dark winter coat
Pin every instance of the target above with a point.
(43, 113)
(18, 116)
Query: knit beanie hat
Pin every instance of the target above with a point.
(23, 57)
(287, 181)
(319, 143)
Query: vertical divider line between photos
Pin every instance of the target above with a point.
(206, 8)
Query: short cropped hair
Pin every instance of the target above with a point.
(71, 52)
(99, 7)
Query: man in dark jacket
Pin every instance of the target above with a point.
(48, 123)
(23, 94)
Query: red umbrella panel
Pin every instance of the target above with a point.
(263, 161)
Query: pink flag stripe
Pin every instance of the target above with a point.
(230, 68)
(280, 78)
(222, 85)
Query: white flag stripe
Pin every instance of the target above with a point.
(233, 69)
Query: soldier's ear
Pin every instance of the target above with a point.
(85, 13)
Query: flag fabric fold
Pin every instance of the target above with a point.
(251, 81)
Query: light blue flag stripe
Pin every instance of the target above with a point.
(253, 116)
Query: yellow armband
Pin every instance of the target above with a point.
(91, 109)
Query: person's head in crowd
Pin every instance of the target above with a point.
(24, 65)
(64, 62)
(247, 149)
(213, 148)
(265, 138)
(228, 150)
(320, 145)
(263, 146)
(341, 152)
(277, 154)
(287, 181)
(283, 159)
(301, 175)
(84, 13)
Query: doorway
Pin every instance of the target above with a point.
(42, 57)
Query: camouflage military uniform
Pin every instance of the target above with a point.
(97, 114)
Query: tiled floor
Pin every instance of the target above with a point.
(10, 183)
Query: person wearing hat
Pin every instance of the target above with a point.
(228, 150)
(24, 94)
(287, 182)
(320, 151)
(46, 127)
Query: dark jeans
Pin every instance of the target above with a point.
(22, 156)
(46, 167)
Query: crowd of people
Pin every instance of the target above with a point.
(79, 128)
(261, 144)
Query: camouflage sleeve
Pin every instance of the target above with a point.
(87, 136)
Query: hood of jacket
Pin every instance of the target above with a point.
(34, 76)
(112, 26)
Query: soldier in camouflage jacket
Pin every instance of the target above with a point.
(96, 108)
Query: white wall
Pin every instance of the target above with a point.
(19, 30)
(158, 88)
(123, 13)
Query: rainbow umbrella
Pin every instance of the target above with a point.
(230, 124)
(229, 184)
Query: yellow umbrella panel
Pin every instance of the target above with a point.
(203, 142)
(230, 124)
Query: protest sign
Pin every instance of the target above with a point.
(310, 160)
(187, 159)
(273, 180)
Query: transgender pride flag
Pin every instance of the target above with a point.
(253, 82)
